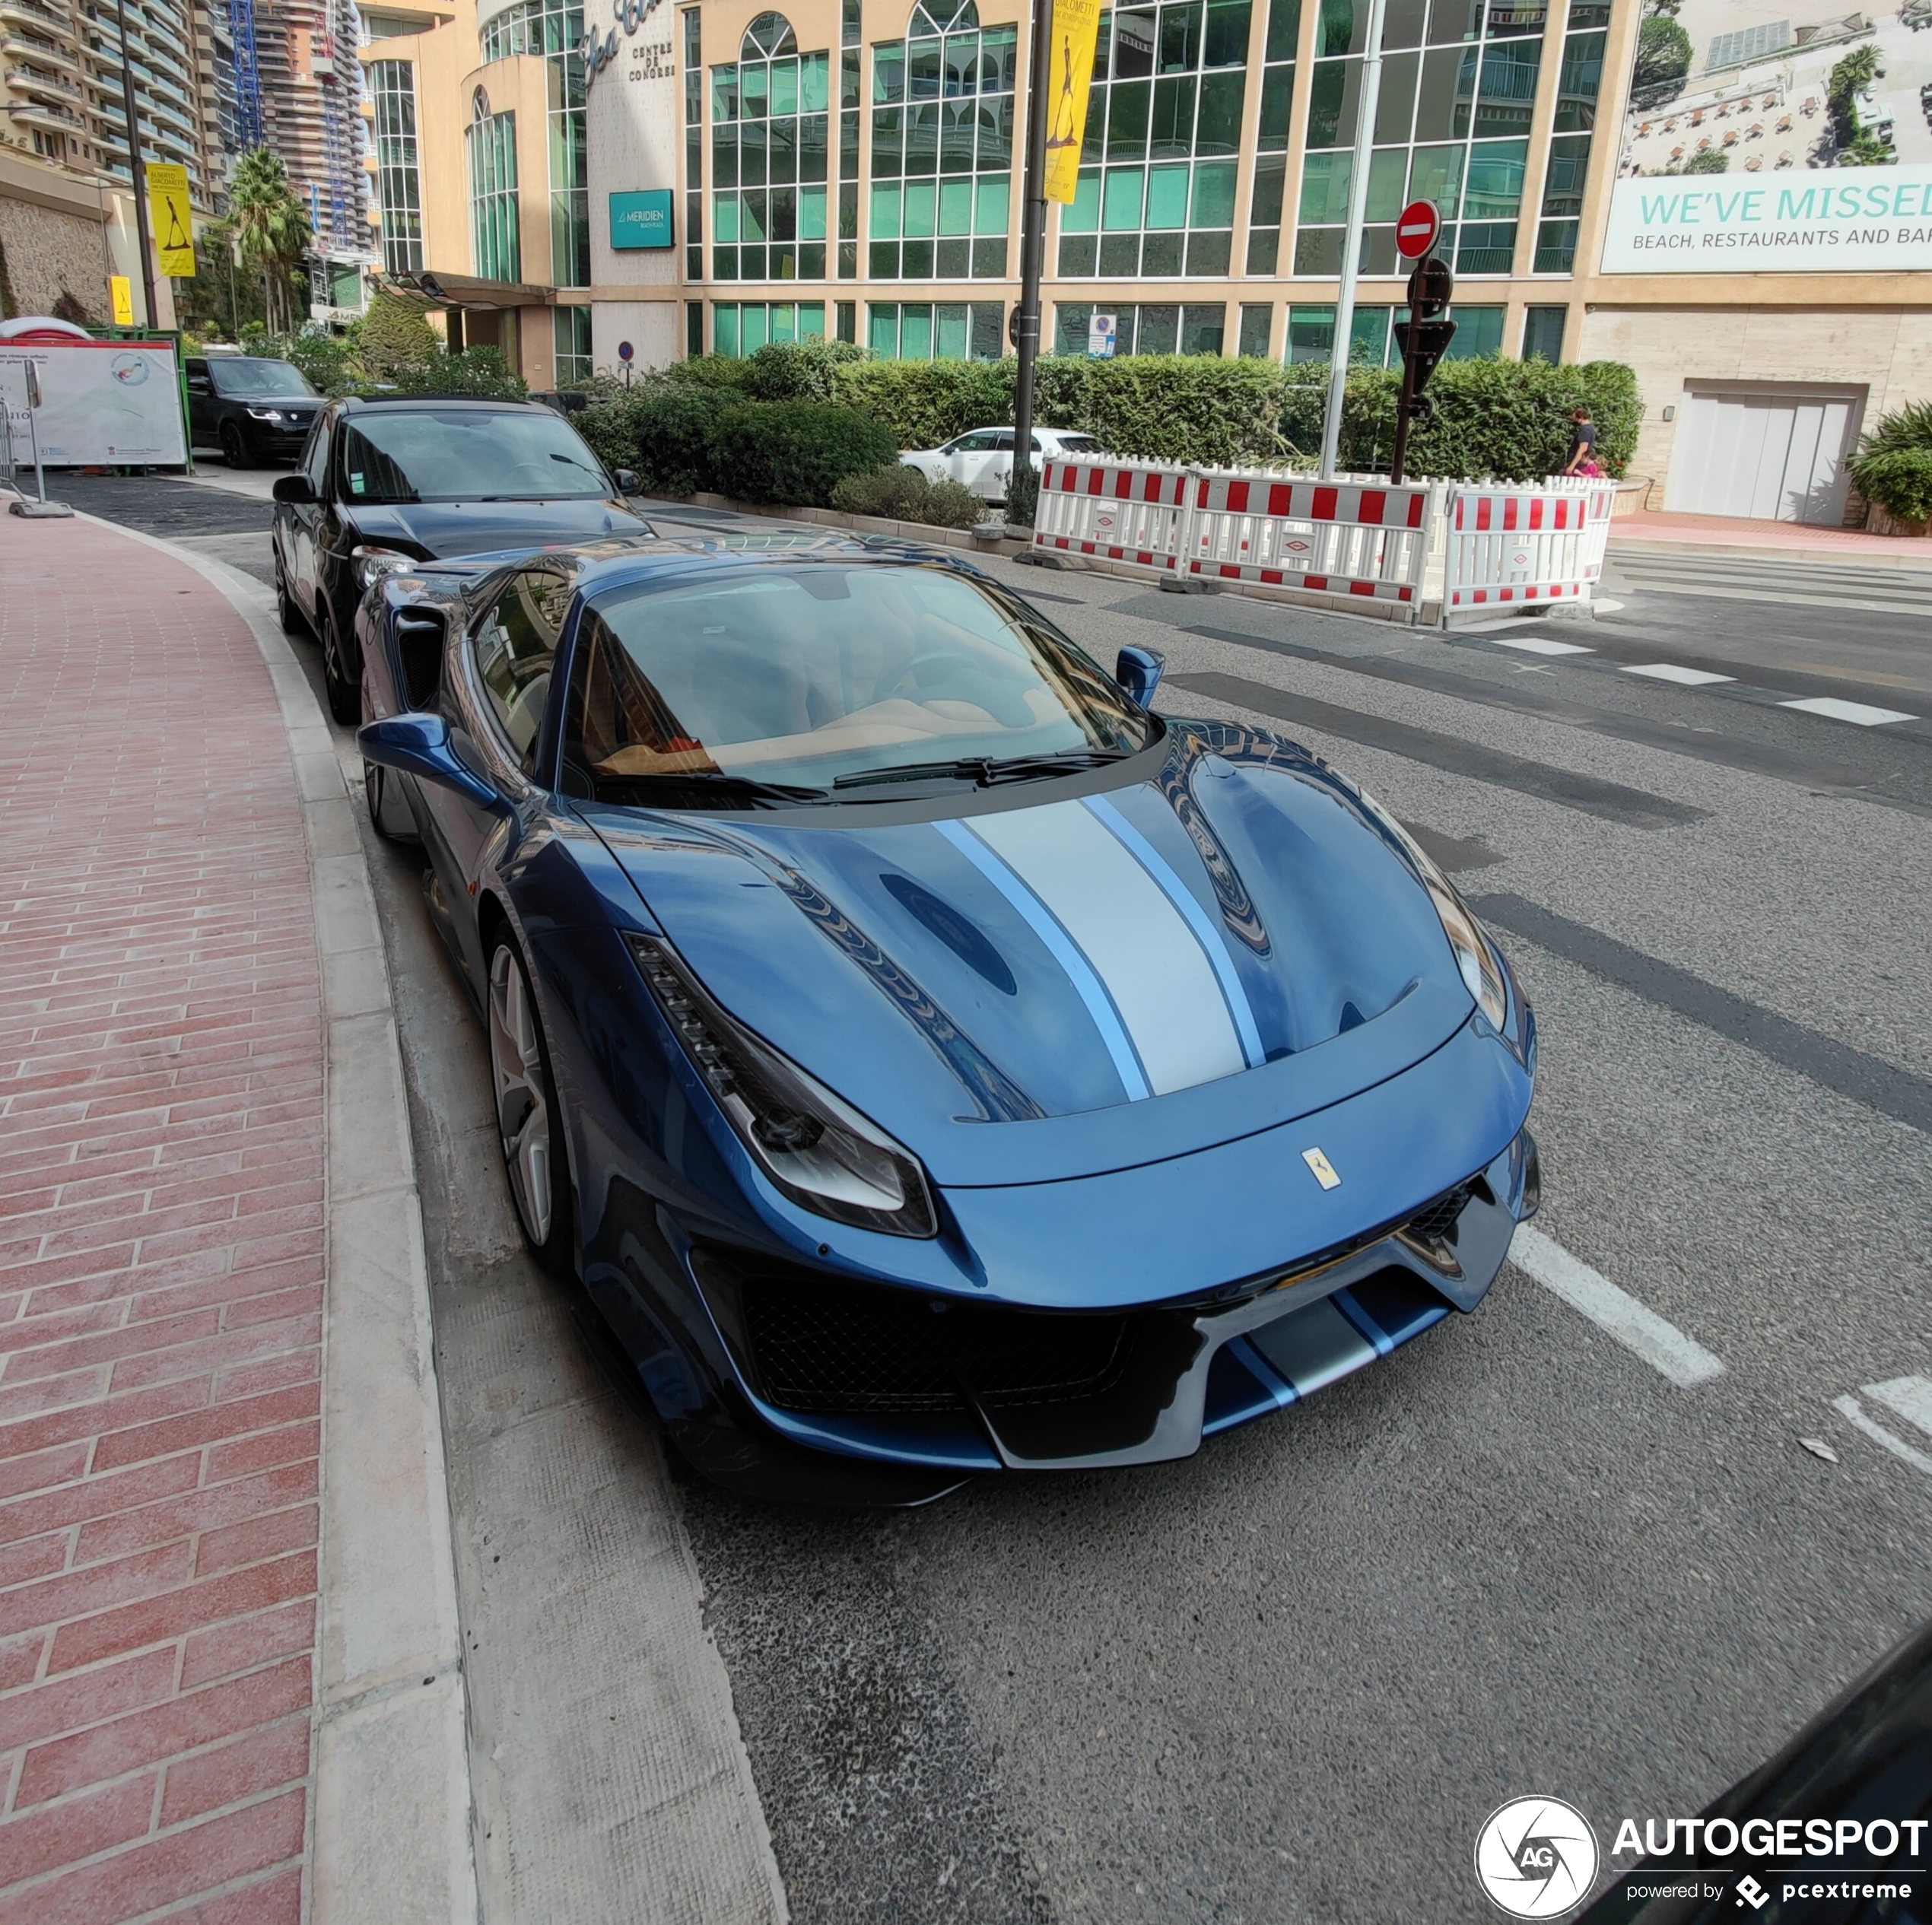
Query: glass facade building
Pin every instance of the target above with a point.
(399, 183)
(875, 147)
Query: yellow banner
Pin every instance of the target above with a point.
(171, 218)
(120, 291)
(1069, 71)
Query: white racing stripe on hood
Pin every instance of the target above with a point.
(1168, 995)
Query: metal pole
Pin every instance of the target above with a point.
(138, 172)
(1344, 300)
(1033, 237)
(34, 429)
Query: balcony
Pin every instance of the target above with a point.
(35, 113)
(50, 87)
(25, 47)
(36, 13)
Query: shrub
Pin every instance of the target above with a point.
(479, 371)
(793, 453)
(725, 371)
(798, 371)
(328, 360)
(924, 403)
(1893, 465)
(1506, 421)
(1193, 408)
(902, 493)
(1023, 497)
(1899, 481)
(661, 428)
(393, 335)
(1172, 407)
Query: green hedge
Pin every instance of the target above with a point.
(661, 429)
(1161, 407)
(1508, 421)
(793, 453)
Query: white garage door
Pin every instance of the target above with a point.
(1772, 451)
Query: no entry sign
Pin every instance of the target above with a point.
(1415, 229)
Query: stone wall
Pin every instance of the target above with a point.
(49, 253)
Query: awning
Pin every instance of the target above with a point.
(466, 290)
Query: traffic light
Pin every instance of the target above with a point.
(1423, 338)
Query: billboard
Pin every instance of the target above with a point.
(113, 403)
(1758, 141)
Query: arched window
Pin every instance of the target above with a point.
(942, 17)
(769, 37)
(943, 157)
(770, 131)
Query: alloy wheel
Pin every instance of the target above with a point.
(345, 703)
(232, 446)
(521, 1088)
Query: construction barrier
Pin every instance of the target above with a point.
(1464, 546)
(1126, 511)
(1335, 538)
(1343, 538)
(1507, 546)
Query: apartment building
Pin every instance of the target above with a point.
(481, 205)
(309, 85)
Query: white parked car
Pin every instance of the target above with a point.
(983, 459)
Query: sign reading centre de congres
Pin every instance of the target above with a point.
(641, 219)
(1870, 220)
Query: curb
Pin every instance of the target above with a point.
(1659, 546)
(391, 1836)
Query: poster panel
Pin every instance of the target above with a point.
(1752, 144)
(1069, 74)
(109, 403)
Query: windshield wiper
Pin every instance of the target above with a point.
(983, 771)
(712, 782)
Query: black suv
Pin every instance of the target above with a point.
(418, 478)
(253, 409)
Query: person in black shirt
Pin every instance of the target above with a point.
(1583, 444)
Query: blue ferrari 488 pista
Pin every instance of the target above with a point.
(931, 1061)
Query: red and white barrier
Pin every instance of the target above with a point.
(1335, 538)
(1507, 546)
(1461, 546)
(1125, 511)
(1341, 537)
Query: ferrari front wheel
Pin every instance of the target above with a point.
(529, 1123)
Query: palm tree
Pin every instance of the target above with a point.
(273, 227)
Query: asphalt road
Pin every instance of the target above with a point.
(1286, 1680)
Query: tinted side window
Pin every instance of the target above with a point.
(515, 643)
(315, 457)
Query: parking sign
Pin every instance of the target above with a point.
(1100, 336)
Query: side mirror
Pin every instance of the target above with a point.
(628, 482)
(420, 745)
(1138, 670)
(296, 487)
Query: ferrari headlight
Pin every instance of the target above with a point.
(1474, 960)
(818, 1150)
(372, 561)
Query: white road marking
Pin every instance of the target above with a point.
(1670, 672)
(1537, 645)
(1847, 1408)
(1862, 713)
(1910, 1396)
(1662, 1346)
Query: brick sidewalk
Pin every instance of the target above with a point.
(161, 1250)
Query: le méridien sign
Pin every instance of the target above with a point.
(1867, 220)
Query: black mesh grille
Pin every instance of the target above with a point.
(1436, 1222)
(816, 1349)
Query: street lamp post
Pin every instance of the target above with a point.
(138, 172)
(1344, 299)
(1033, 239)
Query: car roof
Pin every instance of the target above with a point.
(620, 561)
(481, 404)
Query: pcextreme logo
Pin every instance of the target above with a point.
(1537, 1857)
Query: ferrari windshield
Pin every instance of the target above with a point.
(804, 678)
(465, 454)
